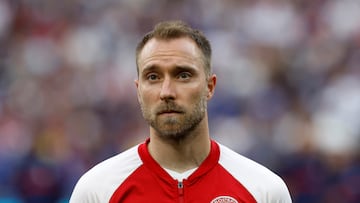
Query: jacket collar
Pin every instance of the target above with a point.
(149, 162)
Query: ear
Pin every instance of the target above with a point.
(211, 84)
(136, 81)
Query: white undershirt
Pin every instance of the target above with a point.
(180, 176)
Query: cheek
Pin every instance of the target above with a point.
(147, 96)
(196, 96)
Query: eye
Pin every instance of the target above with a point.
(152, 76)
(184, 75)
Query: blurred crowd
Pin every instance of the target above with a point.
(288, 93)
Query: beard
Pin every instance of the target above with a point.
(176, 126)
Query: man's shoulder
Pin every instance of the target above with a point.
(239, 163)
(259, 180)
(102, 180)
(121, 163)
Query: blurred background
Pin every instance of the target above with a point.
(288, 93)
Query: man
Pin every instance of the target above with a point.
(179, 162)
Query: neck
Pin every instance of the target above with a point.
(181, 154)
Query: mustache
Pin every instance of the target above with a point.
(169, 107)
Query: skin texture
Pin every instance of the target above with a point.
(173, 91)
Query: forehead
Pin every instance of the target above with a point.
(171, 50)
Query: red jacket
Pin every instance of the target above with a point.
(135, 177)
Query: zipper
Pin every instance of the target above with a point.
(181, 191)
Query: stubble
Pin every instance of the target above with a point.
(178, 125)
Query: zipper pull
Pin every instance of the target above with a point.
(181, 187)
(181, 191)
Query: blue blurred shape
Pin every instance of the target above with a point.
(9, 200)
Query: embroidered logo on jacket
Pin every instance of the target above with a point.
(224, 199)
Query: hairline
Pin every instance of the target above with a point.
(202, 56)
(200, 40)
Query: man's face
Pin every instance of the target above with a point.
(172, 86)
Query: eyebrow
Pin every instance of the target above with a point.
(149, 69)
(185, 69)
(177, 68)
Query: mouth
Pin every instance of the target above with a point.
(169, 109)
(169, 112)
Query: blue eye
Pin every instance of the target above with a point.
(184, 75)
(152, 76)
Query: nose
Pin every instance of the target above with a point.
(167, 90)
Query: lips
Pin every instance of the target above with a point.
(169, 108)
(169, 111)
